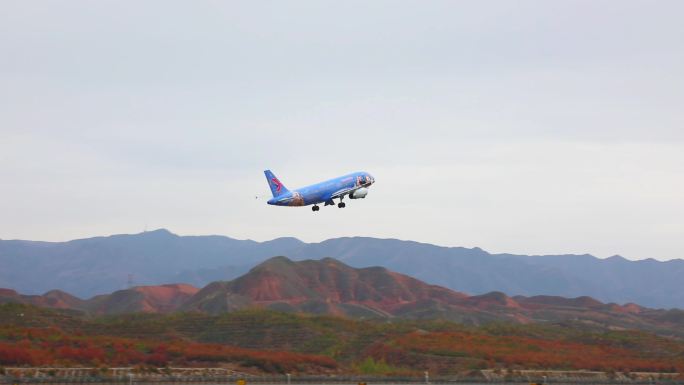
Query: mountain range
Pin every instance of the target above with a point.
(139, 299)
(330, 287)
(100, 265)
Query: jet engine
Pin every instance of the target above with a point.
(358, 194)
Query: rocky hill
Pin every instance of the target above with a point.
(146, 299)
(321, 287)
(330, 287)
(101, 265)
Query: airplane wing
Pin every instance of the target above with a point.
(342, 192)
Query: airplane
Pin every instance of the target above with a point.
(354, 185)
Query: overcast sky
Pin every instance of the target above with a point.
(529, 127)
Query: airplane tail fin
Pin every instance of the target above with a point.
(277, 188)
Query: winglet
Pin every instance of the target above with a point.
(277, 188)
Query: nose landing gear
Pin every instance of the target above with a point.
(315, 208)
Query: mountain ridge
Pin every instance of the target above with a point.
(330, 287)
(319, 286)
(103, 264)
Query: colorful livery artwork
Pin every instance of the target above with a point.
(354, 186)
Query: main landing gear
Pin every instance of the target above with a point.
(340, 205)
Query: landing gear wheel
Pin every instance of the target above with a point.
(315, 208)
(341, 205)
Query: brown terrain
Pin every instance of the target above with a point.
(148, 299)
(331, 287)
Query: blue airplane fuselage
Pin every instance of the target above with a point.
(352, 185)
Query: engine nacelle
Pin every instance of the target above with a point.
(358, 194)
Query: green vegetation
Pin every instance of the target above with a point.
(274, 342)
(371, 366)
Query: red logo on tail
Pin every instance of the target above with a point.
(277, 184)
